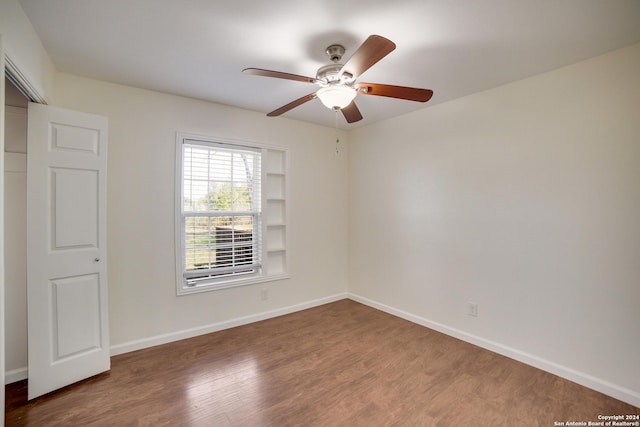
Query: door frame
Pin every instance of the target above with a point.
(11, 70)
(2, 100)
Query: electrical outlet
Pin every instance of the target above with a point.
(472, 309)
(264, 294)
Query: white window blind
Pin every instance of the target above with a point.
(221, 212)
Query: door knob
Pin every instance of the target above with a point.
(96, 260)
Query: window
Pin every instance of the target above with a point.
(219, 207)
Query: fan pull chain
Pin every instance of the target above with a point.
(337, 135)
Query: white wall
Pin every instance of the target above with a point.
(524, 199)
(141, 162)
(25, 51)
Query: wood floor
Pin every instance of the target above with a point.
(341, 364)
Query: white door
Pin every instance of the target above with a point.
(66, 247)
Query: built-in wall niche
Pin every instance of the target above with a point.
(276, 186)
(275, 212)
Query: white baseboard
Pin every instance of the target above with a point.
(629, 396)
(610, 389)
(22, 373)
(214, 327)
(16, 375)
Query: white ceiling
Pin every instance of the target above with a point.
(197, 48)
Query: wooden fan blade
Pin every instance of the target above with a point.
(351, 113)
(400, 92)
(292, 104)
(371, 51)
(279, 75)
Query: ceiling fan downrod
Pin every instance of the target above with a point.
(335, 52)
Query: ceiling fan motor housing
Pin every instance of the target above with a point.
(330, 74)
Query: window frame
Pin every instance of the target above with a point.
(262, 273)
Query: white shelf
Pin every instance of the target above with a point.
(275, 214)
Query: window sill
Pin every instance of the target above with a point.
(230, 284)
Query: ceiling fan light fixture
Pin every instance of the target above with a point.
(336, 96)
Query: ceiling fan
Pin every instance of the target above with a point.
(338, 86)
